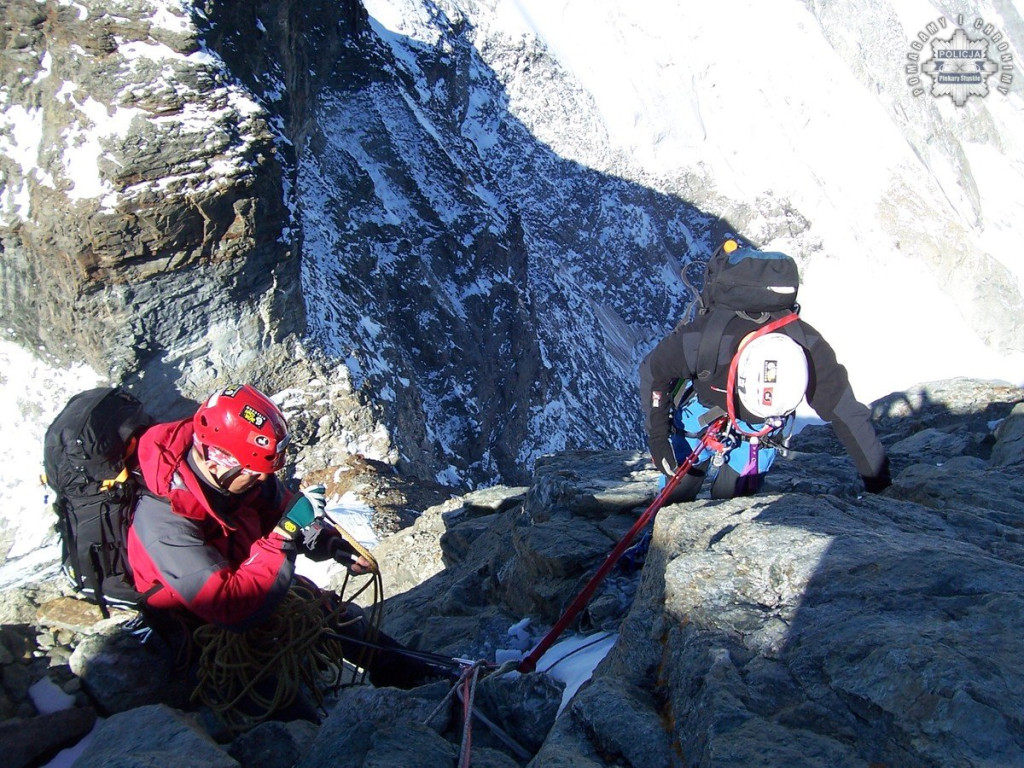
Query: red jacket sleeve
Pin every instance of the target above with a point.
(171, 550)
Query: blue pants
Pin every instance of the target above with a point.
(744, 467)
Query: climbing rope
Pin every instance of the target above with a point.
(501, 735)
(464, 690)
(244, 677)
(692, 304)
(356, 545)
(468, 688)
(375, 613)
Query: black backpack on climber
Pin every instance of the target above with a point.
(741, 278)
(88, 451)
(768, 374)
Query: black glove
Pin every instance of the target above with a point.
(878, 482)
(321, 541)
(664, 458)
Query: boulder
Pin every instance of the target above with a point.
(1009, 447)
(152, 735)
(365, 727)
(805, 629)
(30, 741)
(274, 744)
(121, 672)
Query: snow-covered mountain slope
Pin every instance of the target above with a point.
(554, 164)
(491, 201)
(496, 296)
(796, 122)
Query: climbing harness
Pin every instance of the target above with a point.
(529, 662)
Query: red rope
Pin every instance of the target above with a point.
(529, 663)
(468, 684)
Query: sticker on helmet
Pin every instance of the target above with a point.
(262, 441)
(253, 416)
(231, 391)
(771, 371)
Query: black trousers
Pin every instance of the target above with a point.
(388, 664)
(727, 484)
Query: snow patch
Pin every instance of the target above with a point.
(47, 697)
(353, 515)
(34, 393)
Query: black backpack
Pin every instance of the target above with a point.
(87, 452)
(760, 286)
(741, 278)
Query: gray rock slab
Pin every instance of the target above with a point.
(813, 630)
(365, 725)
(26, 741)
(1009, 447)
(150, 736)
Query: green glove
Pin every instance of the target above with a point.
(305, 507)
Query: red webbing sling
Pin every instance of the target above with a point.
(529, 663)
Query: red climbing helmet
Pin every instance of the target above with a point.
(247, 425)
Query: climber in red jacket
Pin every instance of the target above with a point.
(215, 533)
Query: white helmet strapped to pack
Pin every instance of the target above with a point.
(771, 375)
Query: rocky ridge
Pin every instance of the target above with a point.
(811, 625)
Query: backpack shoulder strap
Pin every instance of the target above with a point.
(711, 337)
(711, 341)
(796, 331)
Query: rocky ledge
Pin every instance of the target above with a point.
(810, 625)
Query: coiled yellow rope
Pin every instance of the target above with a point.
(244, 677)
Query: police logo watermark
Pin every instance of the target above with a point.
(959, 62)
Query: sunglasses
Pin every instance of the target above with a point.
(229, 463)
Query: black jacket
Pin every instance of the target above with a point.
(828, 389)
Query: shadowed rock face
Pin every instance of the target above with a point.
(484, 295)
